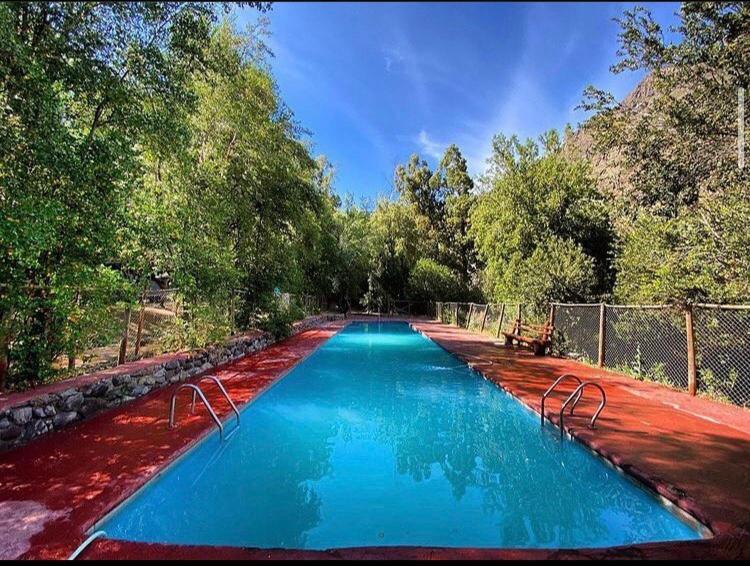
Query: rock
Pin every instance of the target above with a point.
(92, 405)
(11, 433)
(62, 419)
(39, 412)
(50, 411)
(102, 388)
(160, 374)
(172, 364)
(4, 423)
(206, 367)
(72, 402)
(122, 380)
(68, 393)
(139, 390)
(42, 400)
(21, 415)
(36, 428)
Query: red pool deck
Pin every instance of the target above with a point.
(694, 452)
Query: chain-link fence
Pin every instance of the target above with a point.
(654, 342)
(488, 319)
(650, 342)
(722, 343)
(577, 331)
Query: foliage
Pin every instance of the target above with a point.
(686, 195)
(82, 86)
(541, 228)
(430, 281)
(277, 319)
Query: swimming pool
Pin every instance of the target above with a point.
(382, 438)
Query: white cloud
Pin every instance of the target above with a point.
(430, 147)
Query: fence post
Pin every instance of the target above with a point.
(518, 318)
(456, 313)
(691, 366)
(124, 341)
(468, 318)
(139, 333)
(484, 317)
(232, 313)
(500, 322)
(552, 313)
(602, 332)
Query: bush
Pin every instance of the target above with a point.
(279, 318)
(431, 281)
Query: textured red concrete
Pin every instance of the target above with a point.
(654, 433)
(67, 480)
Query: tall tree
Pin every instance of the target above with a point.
(453, 181)
(84, 87)
(680, 150)
(541, 228)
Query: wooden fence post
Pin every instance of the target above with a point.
(484, 317)
(691, 366)
(518, 319)
(468, 318)
(139, 333)
(552, 313)
(124, 341)
(232, 315)
(602, 333)
(500, 321)
(456, 313)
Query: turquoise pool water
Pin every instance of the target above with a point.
(381, 437)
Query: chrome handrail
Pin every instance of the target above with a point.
(579, 389)
(223, 392)
(85, 544)
(555, 384)
(196, 390)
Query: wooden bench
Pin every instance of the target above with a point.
(539, 337)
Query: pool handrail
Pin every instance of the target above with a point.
(196, 390)
(578, 391)
(218, 383)
(554, 385)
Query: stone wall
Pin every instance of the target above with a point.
(25, 416)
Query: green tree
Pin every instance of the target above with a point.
(541, 228)
(430, 281)
(82, 86)
(679, 148)
(456, 186)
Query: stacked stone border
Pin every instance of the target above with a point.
(30, 414)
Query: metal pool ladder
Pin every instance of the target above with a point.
(554, 385)
(197, 392)
(579, 392)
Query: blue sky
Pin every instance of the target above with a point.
(374, 83)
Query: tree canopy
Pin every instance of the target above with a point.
(148, 140)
